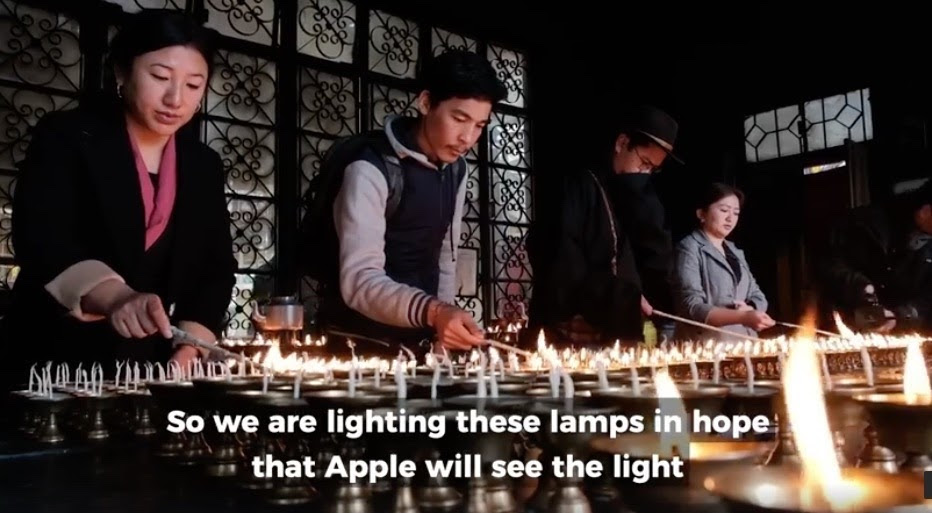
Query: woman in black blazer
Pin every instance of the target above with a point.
(120, 225)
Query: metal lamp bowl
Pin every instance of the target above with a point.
(465, 386)
(900, 425)
(524, 376)
(253, 401)
(860, 380)
(58, 402)
(624, 375)
(490, 446)
(769, 383)
(562, 442)
(583, 376)
(777, 490)
(219, 386)
(702, 449)
(473, 401)
(760, 401)
(325, 399)
(706, 455)
(708, 400)
(411, 405)
(173, 395)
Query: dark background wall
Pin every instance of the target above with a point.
(710, 73)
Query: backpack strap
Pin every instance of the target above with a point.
(395, 178)
(460, 172)
(391, 170)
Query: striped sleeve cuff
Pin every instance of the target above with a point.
(417, 310)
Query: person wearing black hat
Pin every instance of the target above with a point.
(879, 274)
(606, 242)
(645, 139)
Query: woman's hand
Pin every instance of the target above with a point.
(741, 306)
(185, 354)
(132, 314)
(757, 321)
(139, 315)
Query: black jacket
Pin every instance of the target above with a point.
(78, 198)
(580, 267)
(871, 247)
(642, 219)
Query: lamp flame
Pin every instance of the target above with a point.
(671, 405)
(823, 485)
(916, 386)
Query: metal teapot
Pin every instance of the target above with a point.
(281, 313)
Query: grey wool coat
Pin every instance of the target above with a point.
(704, 280)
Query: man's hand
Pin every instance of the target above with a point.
(456, 329)
(757, 321)
(646, 308)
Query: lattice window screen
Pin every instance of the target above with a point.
(351, 67)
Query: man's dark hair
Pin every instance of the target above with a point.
(153, 29)
(717, 191)
(461, 74)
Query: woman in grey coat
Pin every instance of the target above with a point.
(713, 283)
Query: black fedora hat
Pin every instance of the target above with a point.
(656, 124)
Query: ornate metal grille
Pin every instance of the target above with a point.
(40, 71)
(292, 77)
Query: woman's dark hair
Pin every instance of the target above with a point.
(717, 191)
(461, 74)
(153, 29)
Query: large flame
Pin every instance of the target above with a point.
(807, 328)
(823, 484)
(916, 386)
(671, 404)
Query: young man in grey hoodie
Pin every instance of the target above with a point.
(397, 268)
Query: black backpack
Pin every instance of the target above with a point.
(318, 245)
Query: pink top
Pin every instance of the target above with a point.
(158, 206)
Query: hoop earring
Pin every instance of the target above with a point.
(120, 91)
(198, 109)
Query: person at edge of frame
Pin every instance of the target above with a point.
(879, 272)
(121, 227)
